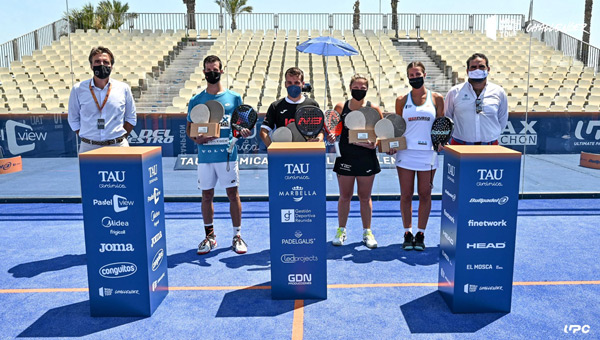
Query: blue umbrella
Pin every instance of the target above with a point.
(327, 46)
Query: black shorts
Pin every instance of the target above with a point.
(352, 166)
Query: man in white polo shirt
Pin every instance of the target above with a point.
(101, 110)
(478, 107)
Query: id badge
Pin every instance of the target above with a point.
(100, 123)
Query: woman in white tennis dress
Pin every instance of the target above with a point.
(419, 108)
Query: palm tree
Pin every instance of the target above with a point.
(587, 22)
(113, 14)
(191, 10)
(81, 18)
(356, 16)
(235, 7)
(395, 16)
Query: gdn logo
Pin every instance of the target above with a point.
(300, 279)
(574, 329)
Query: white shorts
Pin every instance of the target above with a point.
(416, 160)
(209, 173)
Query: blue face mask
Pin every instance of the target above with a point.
(294, 91)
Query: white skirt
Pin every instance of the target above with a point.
(417, 160)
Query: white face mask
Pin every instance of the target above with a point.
(478, 74)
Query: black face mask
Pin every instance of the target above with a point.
(416, 83)
(102, 71)
(358, 94)
(212, 77)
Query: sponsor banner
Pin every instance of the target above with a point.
(10, 165)
(125, 240)
(49, 135)
(479, 220)
(296, 219)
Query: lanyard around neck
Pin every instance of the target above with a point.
(96, 99)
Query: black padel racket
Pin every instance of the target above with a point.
(243, 117)
(309, 121)
(333, 125)
(441, 132)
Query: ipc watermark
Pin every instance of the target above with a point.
(508, 27)
(576, 329)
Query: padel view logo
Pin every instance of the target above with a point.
(119, 203)
(20, 137)
(297, 171)
(297, 193)
(117, 270)
(154, 197)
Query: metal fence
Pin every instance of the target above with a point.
(324, 22)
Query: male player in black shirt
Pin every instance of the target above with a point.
(281, 112)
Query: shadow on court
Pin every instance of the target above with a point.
(31, 269)
(235, 304)
(358, 253)
(191, 256)
(72, 320)
(431, 314)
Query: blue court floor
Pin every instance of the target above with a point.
(384, 293)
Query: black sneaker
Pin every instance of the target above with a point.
(420, 241)
(408, 241)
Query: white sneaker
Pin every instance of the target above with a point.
(206, 245)
(238, 245)
(369, 239)
(340, 237)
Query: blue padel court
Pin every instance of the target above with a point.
(384, 293)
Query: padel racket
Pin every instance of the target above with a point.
(216, 110)
(355, 120)
(243, 117)
(333, 126)
(384, 129)
(441, 132)
(282, 134)
(371, 116)
(399, 124)
(309, 120)
(296, 135)
(200, 114)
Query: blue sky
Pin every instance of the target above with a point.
(19, 17)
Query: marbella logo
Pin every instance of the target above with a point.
(297, 193)
(117, 270)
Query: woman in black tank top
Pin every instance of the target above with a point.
(359, 164)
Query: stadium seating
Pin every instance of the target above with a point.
(256, 60)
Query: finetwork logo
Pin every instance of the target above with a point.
(20, 137)
(473, 223)
(287, 216)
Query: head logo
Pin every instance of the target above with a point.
(499, 245)
(117, 270)
(18, 132)
(157, 260)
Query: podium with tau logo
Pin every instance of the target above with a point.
(478, 227)
(124, 224)
(297, 220)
